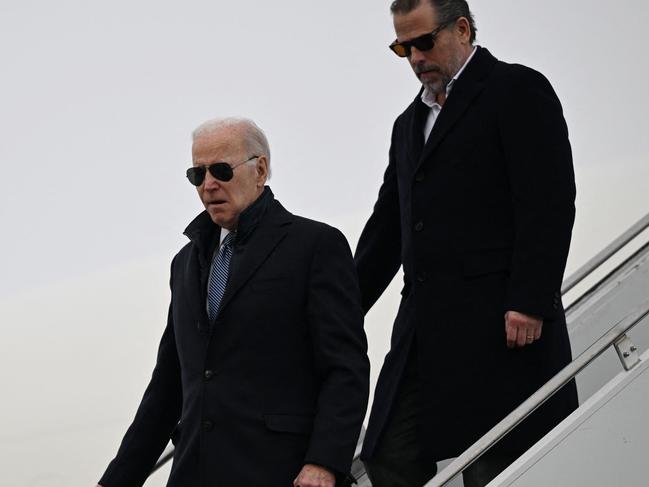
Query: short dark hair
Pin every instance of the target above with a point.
(447, 10)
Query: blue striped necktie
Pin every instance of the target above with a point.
(219, 276)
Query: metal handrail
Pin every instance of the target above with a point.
(608, 252)
(617, 332)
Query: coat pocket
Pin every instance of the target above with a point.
(289, 423)
(479, 263)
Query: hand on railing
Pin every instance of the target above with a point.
(522, 329)
(568, 373)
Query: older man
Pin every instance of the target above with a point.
(262, 373)
(477, 204)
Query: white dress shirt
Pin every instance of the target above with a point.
(430, 99)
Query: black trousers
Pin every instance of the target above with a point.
(398, 461)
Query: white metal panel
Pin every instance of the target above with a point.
(591, 318)
(604, 443)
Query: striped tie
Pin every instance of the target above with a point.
(219, 276)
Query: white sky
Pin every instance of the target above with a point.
(97, 103)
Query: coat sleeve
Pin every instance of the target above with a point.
(156, 417)
(539, 163)
(378, 253)
(339, 344)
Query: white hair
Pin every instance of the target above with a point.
(254, 138)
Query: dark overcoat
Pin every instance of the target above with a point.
(280, 378)
(480, 217)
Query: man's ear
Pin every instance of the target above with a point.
(262, 171)
(464, 29)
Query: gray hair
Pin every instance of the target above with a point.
(254, 138)
(447, 11)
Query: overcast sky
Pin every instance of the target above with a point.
(97, 103)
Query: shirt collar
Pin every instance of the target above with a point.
(224, 233)
(430, 99)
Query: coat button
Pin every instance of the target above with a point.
(208, 374)
(208, 425)
(421, 277)
(419, 226)
(419, 177)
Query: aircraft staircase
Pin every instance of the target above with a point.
(605, 442)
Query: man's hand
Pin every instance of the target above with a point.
(522, 329)
(314, 476)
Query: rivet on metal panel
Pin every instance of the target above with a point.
(627, 352)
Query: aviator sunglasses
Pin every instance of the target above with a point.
(219, 170)
(424, 42)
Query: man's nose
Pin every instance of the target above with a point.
(416, 56)
(210, 181)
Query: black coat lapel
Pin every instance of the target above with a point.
(416, 129)
(251, 255)
(469, 85)
(194, 289)
(204, 235)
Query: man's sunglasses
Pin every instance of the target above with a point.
(219, 170)
(424, 42)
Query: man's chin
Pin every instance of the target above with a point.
(218, 217)
(435, 87)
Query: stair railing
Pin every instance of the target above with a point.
(616, 337)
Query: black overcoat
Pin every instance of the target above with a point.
(480, 217)
(280, 379)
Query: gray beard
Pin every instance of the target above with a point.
(439, 87)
